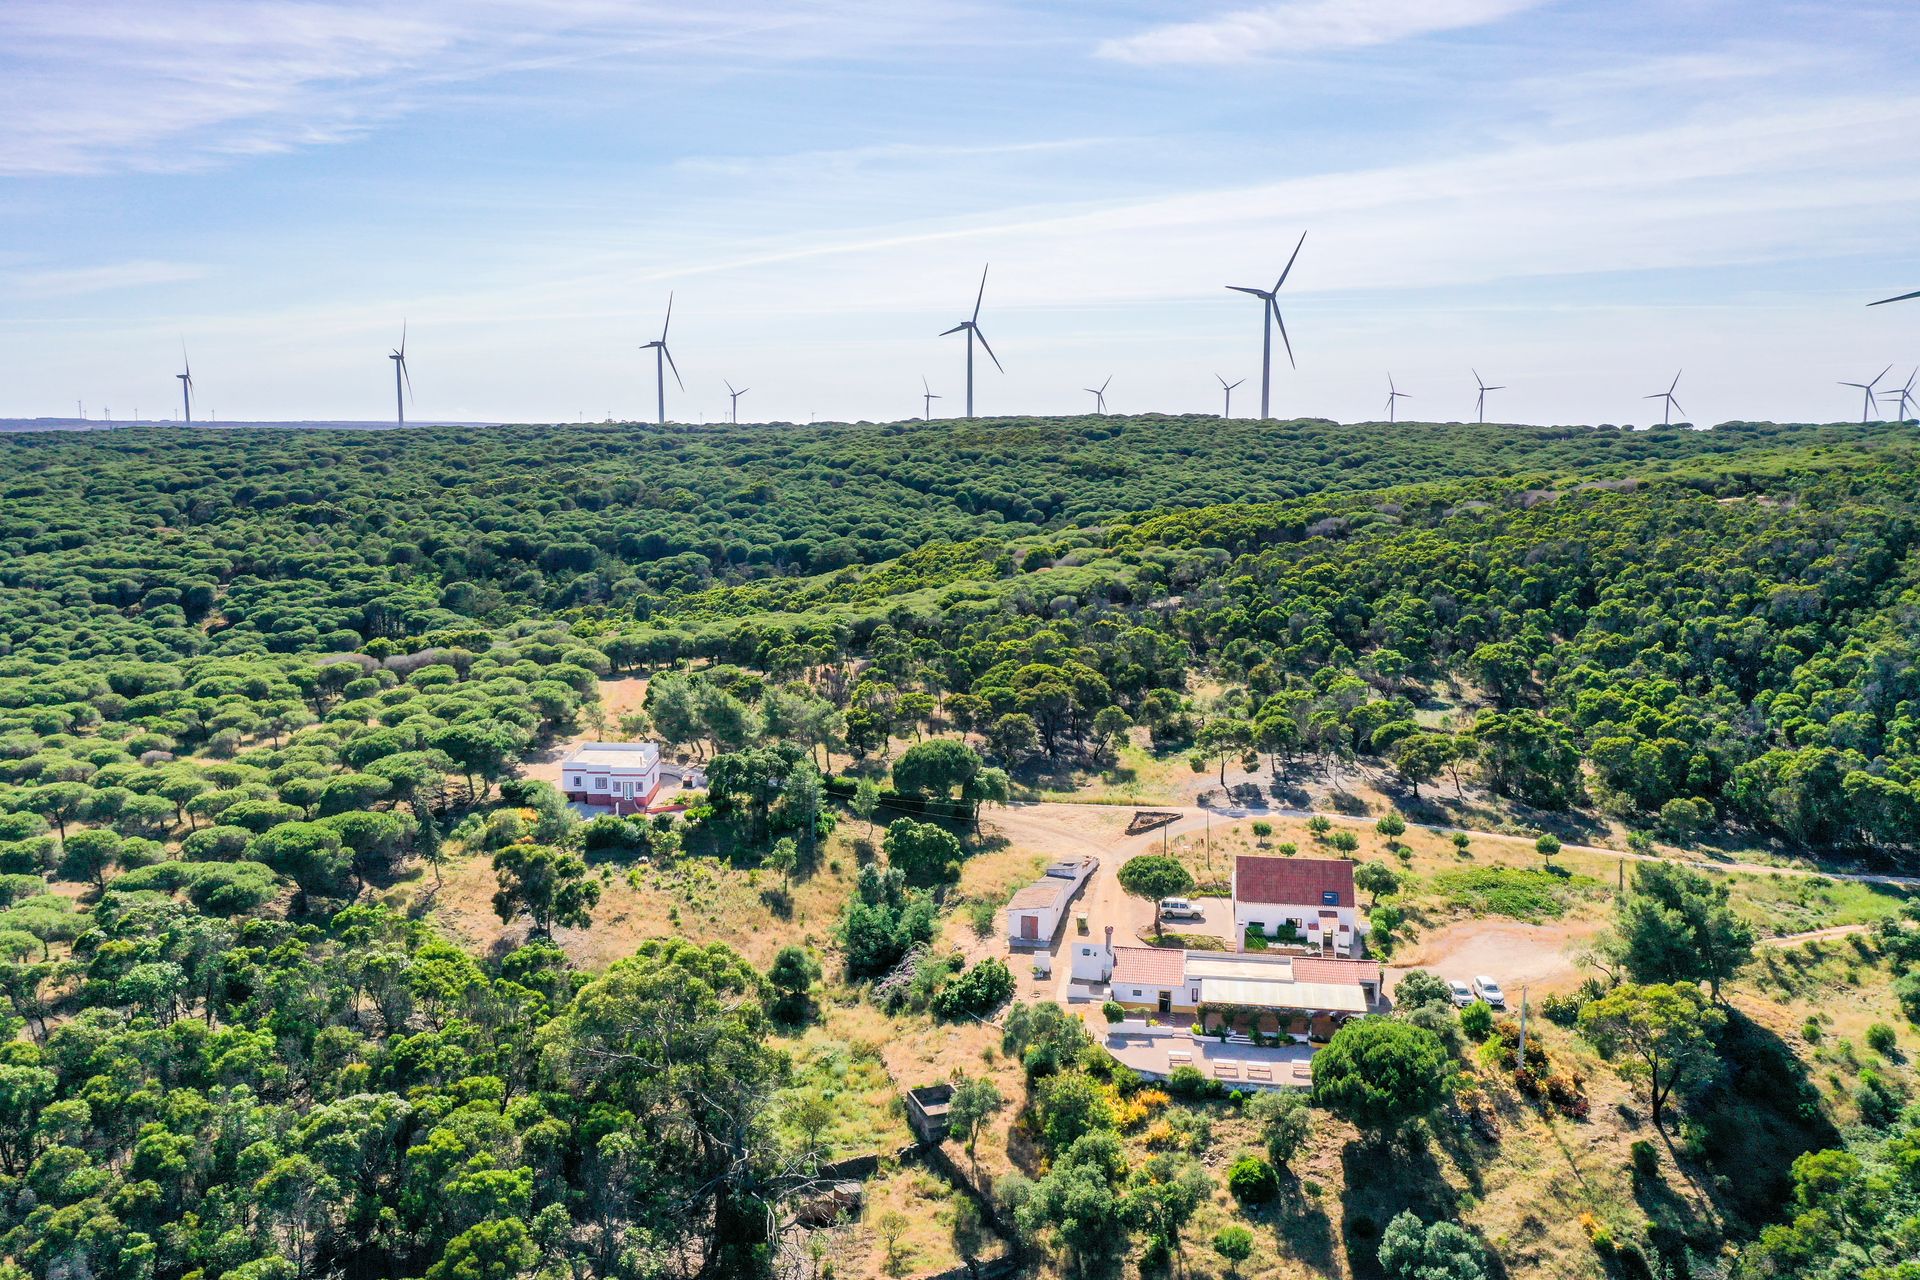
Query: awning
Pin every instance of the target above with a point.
(1324, 997)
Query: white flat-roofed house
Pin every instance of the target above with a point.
(621, 777)
(1034, 914)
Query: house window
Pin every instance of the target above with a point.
(575, 782)
(599, 784)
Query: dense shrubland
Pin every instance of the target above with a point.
(247, 679)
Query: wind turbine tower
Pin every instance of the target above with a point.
(972, 328)
(735, 411)
(1099, 395)
(1394, 394)
(186, 384)
(1906, 396)
(1480, 405)
(401, 375)
(1269, 316)
(1868, 401)
(1670, 404)
(662, 361)
(1227, 387)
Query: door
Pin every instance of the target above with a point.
(1166, 1002)
(1029, 927)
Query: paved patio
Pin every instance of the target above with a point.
(1156, 1051)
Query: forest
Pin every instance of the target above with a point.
(249, 677)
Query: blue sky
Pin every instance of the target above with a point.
(1575, 198)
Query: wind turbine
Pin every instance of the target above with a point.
(1666, 413)
(186, 384)
(1906, 395)
(1480, 405)
(401, 374)
(1394, 393)
(660, 352)
(1099, 394)
(972, 328)
(927, 398)
(1269, 315)
(1902, 298)
(1228, 388)
(735, 394)
(1868, 400)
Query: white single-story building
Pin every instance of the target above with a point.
(1034, 914)
(1305, 996)
(1314, 895)
(622, 777)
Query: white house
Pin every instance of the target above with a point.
(1314, 895)
(1033, 916)
(621, 777)
(1308, 997)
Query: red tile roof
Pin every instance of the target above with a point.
(1293, 881)
(1319, 969)
(1164, 967)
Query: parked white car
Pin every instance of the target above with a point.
(1489, 990)
(1462, 993)
(1179, 909)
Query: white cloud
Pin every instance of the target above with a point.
(127, 84)
(69, 282)
(1303, 26)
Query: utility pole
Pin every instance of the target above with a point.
(1523, 1029)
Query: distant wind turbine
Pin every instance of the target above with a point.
(401, 374)
(1666, 413)
(1902, 298)
(1099, 394)
(186, 384)
(1270, 315)
(927, 398)
(1869, 402)
(1393, 394)
(660, 353)
(1228, 388)
(972, 328)
(736, 398)
(1480, 405)
(1906, 395)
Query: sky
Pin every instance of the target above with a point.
(1576, 199)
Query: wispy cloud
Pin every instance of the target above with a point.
(125, 84)
(1302, 26)
(71, 282)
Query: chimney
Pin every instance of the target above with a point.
(1109, 939)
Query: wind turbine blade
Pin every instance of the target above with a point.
(1498, 388)
(981, 296)
(1222, 381)
(1106, 384)
(957, 328)
(1281, 321)
(670, 364)
(990, 355)
(925, 385)
(1658, 395)
(403, 338)
(1258, 293)
(1676, 406)
(668, 322)
(1883, 373)
(1676, 381)
(1902, 298)
(407, 377)
(1230, 387)
(1296, 253)
(1477, 382)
